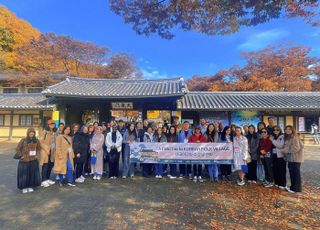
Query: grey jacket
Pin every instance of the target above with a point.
(253, 146)
(293, 150)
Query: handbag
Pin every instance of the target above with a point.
(244, 168)
(93, 159)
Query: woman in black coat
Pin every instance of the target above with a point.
(172, 137)
(81, 146)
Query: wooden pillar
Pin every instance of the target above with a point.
(11, 125)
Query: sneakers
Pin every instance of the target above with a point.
(132, 175)
(94, 177)
(289, 190)
(249, 181)
(200, 179)
(30, 189)
(124, 177)
(253, 182)
(268, 185)
(157, 176)
(181, 176)
(25, 190)
(190, 176)
(45, 184)
(241, 182)
(282, 187)
(113, 177)
(82, 178)
(79, 180)
(195, 179)
(264, 183)
(172, 177)
(98, 177)
(160, 177)
(71, 185)
(50, 182)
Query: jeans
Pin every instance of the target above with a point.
(213, 171)
(268, 168)
(295, 176)
(260, 171)
(252, 170)
(173, 169)
(69, 172)
(159, 169)
(46, 170)
(127, 166)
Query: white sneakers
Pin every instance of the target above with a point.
(195, 179)
(47, 183)
(172, 177)
(80, 179)
(159, 176)
(241, 182)
(27, 190)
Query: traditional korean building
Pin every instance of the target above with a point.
(79, 100)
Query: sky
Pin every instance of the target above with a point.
(187, 54)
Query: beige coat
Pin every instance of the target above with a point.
(293, 150)
(62, 150)
(47, 141)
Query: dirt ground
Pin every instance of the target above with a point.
(148, 203)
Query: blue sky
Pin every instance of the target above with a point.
(187, 54)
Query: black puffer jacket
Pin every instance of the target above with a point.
(81, 144)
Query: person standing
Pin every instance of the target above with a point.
(122, 129)
(148, 137)
(315, 134)
(81, 147)
(211, 135)
(96, 149)
(183, 137)
(114, 146)
(129, 137)
(203, 126)
(159, 137)
(197, 137)
(28, 153)
(279, 164)
(271, 125)
(293, 151)
(60, 129)
(265, 150)
(253, 146)
(47, 153)
(226, 137)
(63, 165)
(140, 131)
(172, 137)
(241, 155)
(260, 171)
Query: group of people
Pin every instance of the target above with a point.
(73, 153)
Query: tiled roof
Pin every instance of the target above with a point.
(249, 100)
(84, 87)
(25, 101)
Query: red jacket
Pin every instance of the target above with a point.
(194, 138)
(265, 144)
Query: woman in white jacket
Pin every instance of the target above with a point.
(114, 145)
(240, 155)
(279, 163)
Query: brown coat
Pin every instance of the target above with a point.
(23, 149)
(62, 150)
(47, 141)
(293, 150)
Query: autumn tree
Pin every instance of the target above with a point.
(120, 66)
(272, 69)
(212, 17)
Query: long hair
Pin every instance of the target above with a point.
(211, 135)
(134, 131)
(294, 133)
(254, 135)
(223, 134)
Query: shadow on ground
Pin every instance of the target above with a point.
(147, 203)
